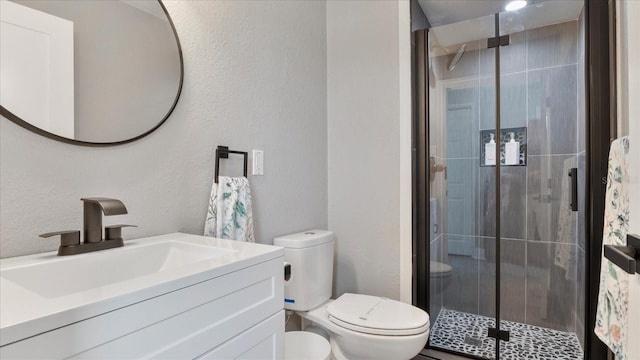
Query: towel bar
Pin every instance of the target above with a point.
(626, 257)
(222, 152)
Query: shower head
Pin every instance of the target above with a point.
(458, 56)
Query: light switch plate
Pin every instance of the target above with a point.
(258, 162)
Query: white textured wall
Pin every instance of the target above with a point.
(255, 78)
(629, 93)
(364, 146)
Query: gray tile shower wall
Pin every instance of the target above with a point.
(463, 291)
(581, 85)
(548, 215)
(513, 205)
(513, 101)
(551, 295)
(552, 106)
(512, 279)
(538, 285)
(552, 45)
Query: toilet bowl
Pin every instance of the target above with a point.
(303, 345)
(359, 326)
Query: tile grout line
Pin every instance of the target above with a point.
(526, 180)
(512, 239)
(550, 155)
(487, 76)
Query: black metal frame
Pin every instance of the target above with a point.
(222, 152)
(496, 42)
(420, 170)
(17, 120)
(600, 129)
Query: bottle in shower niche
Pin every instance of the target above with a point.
(490, 151)
(512, 151)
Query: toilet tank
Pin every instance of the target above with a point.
(310, 254)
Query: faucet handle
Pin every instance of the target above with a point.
(67, 237)
(114, 232)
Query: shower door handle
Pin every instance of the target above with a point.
(573, 174)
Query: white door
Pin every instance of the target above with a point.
(36, 67)
(461, 180)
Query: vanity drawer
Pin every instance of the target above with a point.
(263, 341)
(183, 324)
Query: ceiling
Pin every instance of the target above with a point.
(442, 12)
(457, 22)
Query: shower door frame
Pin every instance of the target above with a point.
(600, 117)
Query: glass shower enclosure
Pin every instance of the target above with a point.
(506, 227)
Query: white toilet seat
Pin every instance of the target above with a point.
(351, 344)
(377, 315)
(439, 270)
(377, 331)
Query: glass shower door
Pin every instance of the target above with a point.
(519, 241)
(542, 257)
(462, 232)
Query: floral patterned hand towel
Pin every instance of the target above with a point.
(613, 298)
(229, 215)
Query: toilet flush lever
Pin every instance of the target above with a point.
(287, 271)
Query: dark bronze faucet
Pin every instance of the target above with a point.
(93, 209)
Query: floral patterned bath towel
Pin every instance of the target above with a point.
(229, 215)
(613, 298)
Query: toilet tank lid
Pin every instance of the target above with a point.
(304, 239)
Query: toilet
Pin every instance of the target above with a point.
(358, 326)
(440, 276)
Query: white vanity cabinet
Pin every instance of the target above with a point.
(234, 314)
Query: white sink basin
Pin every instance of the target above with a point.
(71, 274)
(42, 292)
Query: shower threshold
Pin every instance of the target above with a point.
(466, 333)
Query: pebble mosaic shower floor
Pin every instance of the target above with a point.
(466, 333)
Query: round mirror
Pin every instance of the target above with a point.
(87, 72)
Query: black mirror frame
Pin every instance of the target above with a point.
(17, 120)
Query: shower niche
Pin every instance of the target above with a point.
(520, 137)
